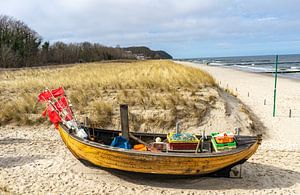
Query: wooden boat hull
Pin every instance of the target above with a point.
(154, 163)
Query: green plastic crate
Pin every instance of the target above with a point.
(222, 147)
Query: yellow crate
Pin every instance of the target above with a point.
(170, 135)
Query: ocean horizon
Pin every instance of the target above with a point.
(288, 64)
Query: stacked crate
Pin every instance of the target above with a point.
(184, 141)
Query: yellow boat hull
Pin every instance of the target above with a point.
(149, 162)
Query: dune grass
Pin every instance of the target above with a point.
(159, 92)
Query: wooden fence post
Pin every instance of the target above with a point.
(124, 120)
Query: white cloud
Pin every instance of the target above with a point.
(264, 19)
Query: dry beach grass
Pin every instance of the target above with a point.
(90, 87)
(158, 92)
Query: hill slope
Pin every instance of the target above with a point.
(148, 53)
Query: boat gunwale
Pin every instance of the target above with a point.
(161, 154)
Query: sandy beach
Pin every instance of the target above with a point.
(34, 159)
(253, 90)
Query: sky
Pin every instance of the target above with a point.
(183, 28)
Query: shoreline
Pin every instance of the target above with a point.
(242, 70)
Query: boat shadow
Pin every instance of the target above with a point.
(254, 176)
(7, 141)
(14, 161)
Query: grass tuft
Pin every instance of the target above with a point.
(101, 113)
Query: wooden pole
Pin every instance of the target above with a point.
(150, 147)
(86, 121)
(124, 120)
(198, 145)
(202, 140)
(138, 140)
(275, 86)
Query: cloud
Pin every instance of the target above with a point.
(264, 19)
(174, 25)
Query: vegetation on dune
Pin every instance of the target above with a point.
(158, 92)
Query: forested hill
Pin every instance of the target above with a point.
(21, 46)
(148, 53)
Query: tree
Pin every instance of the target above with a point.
(19, 41)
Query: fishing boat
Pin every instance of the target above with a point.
(94, 145)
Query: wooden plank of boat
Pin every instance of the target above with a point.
(151, 162)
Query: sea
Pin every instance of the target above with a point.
(288, 65)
